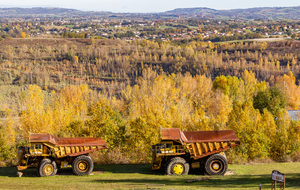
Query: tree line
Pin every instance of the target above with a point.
(130, 121)
(54, 63)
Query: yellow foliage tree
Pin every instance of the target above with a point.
(34, 119)
(23, 35)
(292, 91)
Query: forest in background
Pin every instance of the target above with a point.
(114, 64)
(125, 92)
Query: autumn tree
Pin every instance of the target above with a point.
(107, 123)
(272, 99)
(291, 90)
(34, 118)
(23, 35)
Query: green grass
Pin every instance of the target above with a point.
(137, 176)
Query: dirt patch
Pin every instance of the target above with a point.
(229, 172)
(271, 39)
(98, 171)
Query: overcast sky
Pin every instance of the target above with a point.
(147, 5)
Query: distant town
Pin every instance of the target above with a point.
(158, 30)
(168, 27)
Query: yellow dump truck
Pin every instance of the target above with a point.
(48, 153)
(180, 150)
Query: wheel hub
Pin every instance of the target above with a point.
(48, 169)
(83, 166)
(178, 169)
(216, 166)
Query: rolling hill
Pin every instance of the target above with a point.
(265, 13)
(273, 13)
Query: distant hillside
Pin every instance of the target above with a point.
(40, 11)
(251, 13)
(274, 13)
(198, 10)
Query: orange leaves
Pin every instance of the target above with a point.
(33, 116)
(23, 35)
(292, 91)
(53, 115)
(183, 101)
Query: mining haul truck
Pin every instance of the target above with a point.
(48, 153)
(180, 150)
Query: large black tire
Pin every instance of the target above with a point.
(177, 166)
(46, 168)
(216, 164)
(83, 165)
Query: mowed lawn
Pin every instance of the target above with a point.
(248, 176)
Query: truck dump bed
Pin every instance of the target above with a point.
(69, 146)
(202, 143)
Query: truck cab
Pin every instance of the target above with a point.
(36, 148)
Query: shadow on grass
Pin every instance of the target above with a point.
(232, 181)
(12, 172)
(98, 169)
(129, 168)
(139, 168)
(228, 182)
(147, 176)
(31, 172)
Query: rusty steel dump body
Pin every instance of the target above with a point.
(69, 146)
(78, 141)
(191, 145)
(198, 136)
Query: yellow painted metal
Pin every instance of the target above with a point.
(22, 167)
(156, 161)
(194, 149)
(48, 169)
(200, 149)
(83, 166)
(62, 151)
(64, 164)
(216, 166)
(195, 165)
(178, 169)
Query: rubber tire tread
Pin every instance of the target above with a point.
(88, 159)
(213, 158)
(42, 164)
(177, 160)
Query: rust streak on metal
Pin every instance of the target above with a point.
(79, 141)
